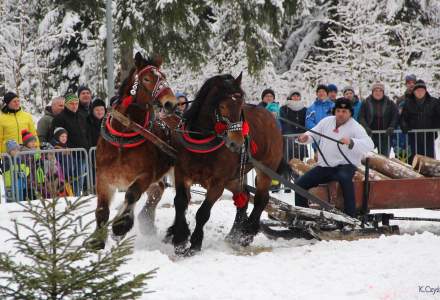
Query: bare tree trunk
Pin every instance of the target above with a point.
(126, 59)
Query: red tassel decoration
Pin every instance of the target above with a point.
(220, 127)
(127, 101)
(240, 199)
(245, 128)
(254, 147)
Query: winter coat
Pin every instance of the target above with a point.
(357, 108)
(378, 114)
(403, 98)
(84, 110)
(331, 151)
(44, 126)
(94, 129)
(65, 160)
(295, 116)
(418, 114)
(318, 111)
(11, 125)
(77, 128)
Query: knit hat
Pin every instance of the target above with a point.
(27, 136)
(11, 145)
(322, 87)
(8, 97)
(378, 85)
(332, 88)
(83, 88)
(267, 91)
(59, 131)
(420, 84)
(97, 102)
(348, 88)
(410, 77)
(295, 93)
(70, 98)
(343, 103)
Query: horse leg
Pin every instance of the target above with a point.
(261, 199)
(124, 220)
(240, 214)
(147, 215)
(105, 194)
(179, 232)
(202, 216)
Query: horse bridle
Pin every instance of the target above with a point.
(160, 86)
(231, 126)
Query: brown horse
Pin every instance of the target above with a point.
(219, 104)
(124, 159)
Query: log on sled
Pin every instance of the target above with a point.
(427, 166)
(299, 168)
(390, 167)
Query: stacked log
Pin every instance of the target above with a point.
(299, 168)
(390, 168)
(426, 165)
(382, 168)
(373, 174)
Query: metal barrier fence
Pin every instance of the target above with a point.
(399, 145)
(92, 164)
(46, 173)
(72, 172)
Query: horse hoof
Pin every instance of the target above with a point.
(246, 239)
(190, 252)
(180, 249)
(233, 237)
(121, 225)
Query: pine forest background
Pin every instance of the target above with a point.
(49, 47)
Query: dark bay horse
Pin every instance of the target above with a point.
(219, 107)
(124, 159)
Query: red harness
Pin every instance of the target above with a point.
(127, 135)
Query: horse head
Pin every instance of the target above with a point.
(148, 85)
(219, 105)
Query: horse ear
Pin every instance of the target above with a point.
(138, 59)
(238, 79)
(157, 60)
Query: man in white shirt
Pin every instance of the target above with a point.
(336, 162)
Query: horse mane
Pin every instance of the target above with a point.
(224, 82)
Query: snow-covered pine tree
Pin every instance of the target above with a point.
(52, 262)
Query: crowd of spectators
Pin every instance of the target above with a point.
(416, 113)
(70, 121)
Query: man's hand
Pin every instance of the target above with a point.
(345, 141)
(302, 138)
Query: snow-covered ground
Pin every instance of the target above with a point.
(396, 267)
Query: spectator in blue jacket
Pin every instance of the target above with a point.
(321, 107)
(332, 91)
(350, 95)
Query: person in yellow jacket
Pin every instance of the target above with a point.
(13, 120)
